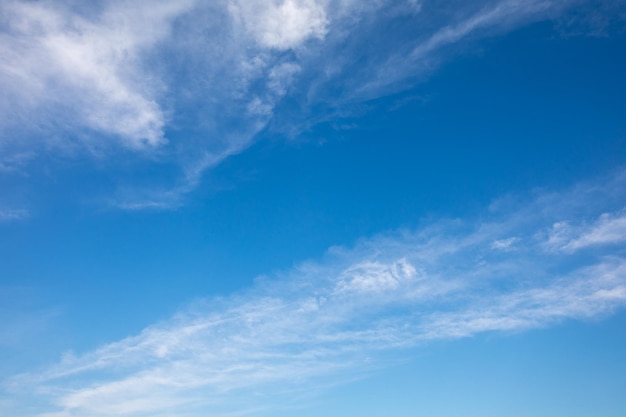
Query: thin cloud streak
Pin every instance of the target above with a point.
(11, 215)
(335, 318)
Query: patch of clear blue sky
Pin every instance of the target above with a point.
(528, 109)
(576, 368)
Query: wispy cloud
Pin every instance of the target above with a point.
(281, 24)
(82, 68)
(183, 85)
(329, 319)
(9, 215)
(609, 229)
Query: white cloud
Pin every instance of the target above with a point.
(72, 67)
(281, 76)
(429, 48)
(505, 244)
(583, 294)
(9, 215)
(375, 277)
(609, 228)
(281, 24)
(323, 321)
(493, 16)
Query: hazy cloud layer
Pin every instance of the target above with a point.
(327, 320)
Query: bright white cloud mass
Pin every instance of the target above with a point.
(321, 320)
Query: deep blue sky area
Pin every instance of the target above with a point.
(259, 209)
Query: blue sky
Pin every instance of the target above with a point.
(312, 207)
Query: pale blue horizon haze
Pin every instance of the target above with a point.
(312, 208)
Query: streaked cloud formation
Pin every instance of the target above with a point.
(182, 84)
(512, 269)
